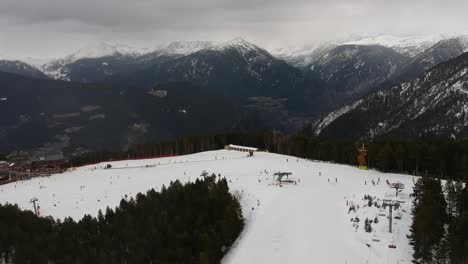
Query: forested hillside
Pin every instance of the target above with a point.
(183, 223)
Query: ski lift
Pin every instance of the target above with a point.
(398, 215)
(375, 238)
(382, 212)
(284, 177)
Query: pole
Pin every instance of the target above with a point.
(35, 208)
(390, 219)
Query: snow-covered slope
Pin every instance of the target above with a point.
(306, 222)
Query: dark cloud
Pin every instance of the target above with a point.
(55, 27)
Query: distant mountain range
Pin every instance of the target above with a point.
(331, 86)
(433, 105)
(21, 68)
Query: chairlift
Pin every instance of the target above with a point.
(398, 215)
(375, 238)
(382, 212)
(284, 177)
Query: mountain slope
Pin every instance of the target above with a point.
(237, 68)
(98, 63)
(409, 46)
(443, 50)
(349, 72)
(303, 57)
(435, 104)
(21, 68)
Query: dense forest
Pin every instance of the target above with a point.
(439, 232)
(183, 223)
(446, 159)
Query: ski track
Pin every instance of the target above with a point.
(303, 223)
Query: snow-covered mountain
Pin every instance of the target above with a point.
(21, 68)
(183, 47)
(410, 45)
(236, 67)
(306, 222)
(434, 104)
(63, 68)
(103, 49)
(441, 51)
(95, 63)
(348, 72)
(304, 56)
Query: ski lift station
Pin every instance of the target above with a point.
(239, 148)
(284, 177)
(250, 150)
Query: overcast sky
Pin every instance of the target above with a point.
(53, 28)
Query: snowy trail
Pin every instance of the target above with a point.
(303, 223)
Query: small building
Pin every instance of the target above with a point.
(18, 157)
(250, 150)
(239, 148)
(158, 93)
(49, 166)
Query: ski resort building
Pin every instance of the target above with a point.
(239, 148)
(250, 150)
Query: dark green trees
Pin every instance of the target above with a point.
(184, 223)
(439, 232)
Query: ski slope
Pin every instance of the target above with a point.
(306, 222)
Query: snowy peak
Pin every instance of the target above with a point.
(102, 49)
(183, 47)
(189, 47)
(239, 44)
(59, 68)
(410, 45)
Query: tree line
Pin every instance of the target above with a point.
(439, 231)
(446, 158)
(184, 223)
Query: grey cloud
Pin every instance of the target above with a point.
(59, 26)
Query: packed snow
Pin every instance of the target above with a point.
(307, 220)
